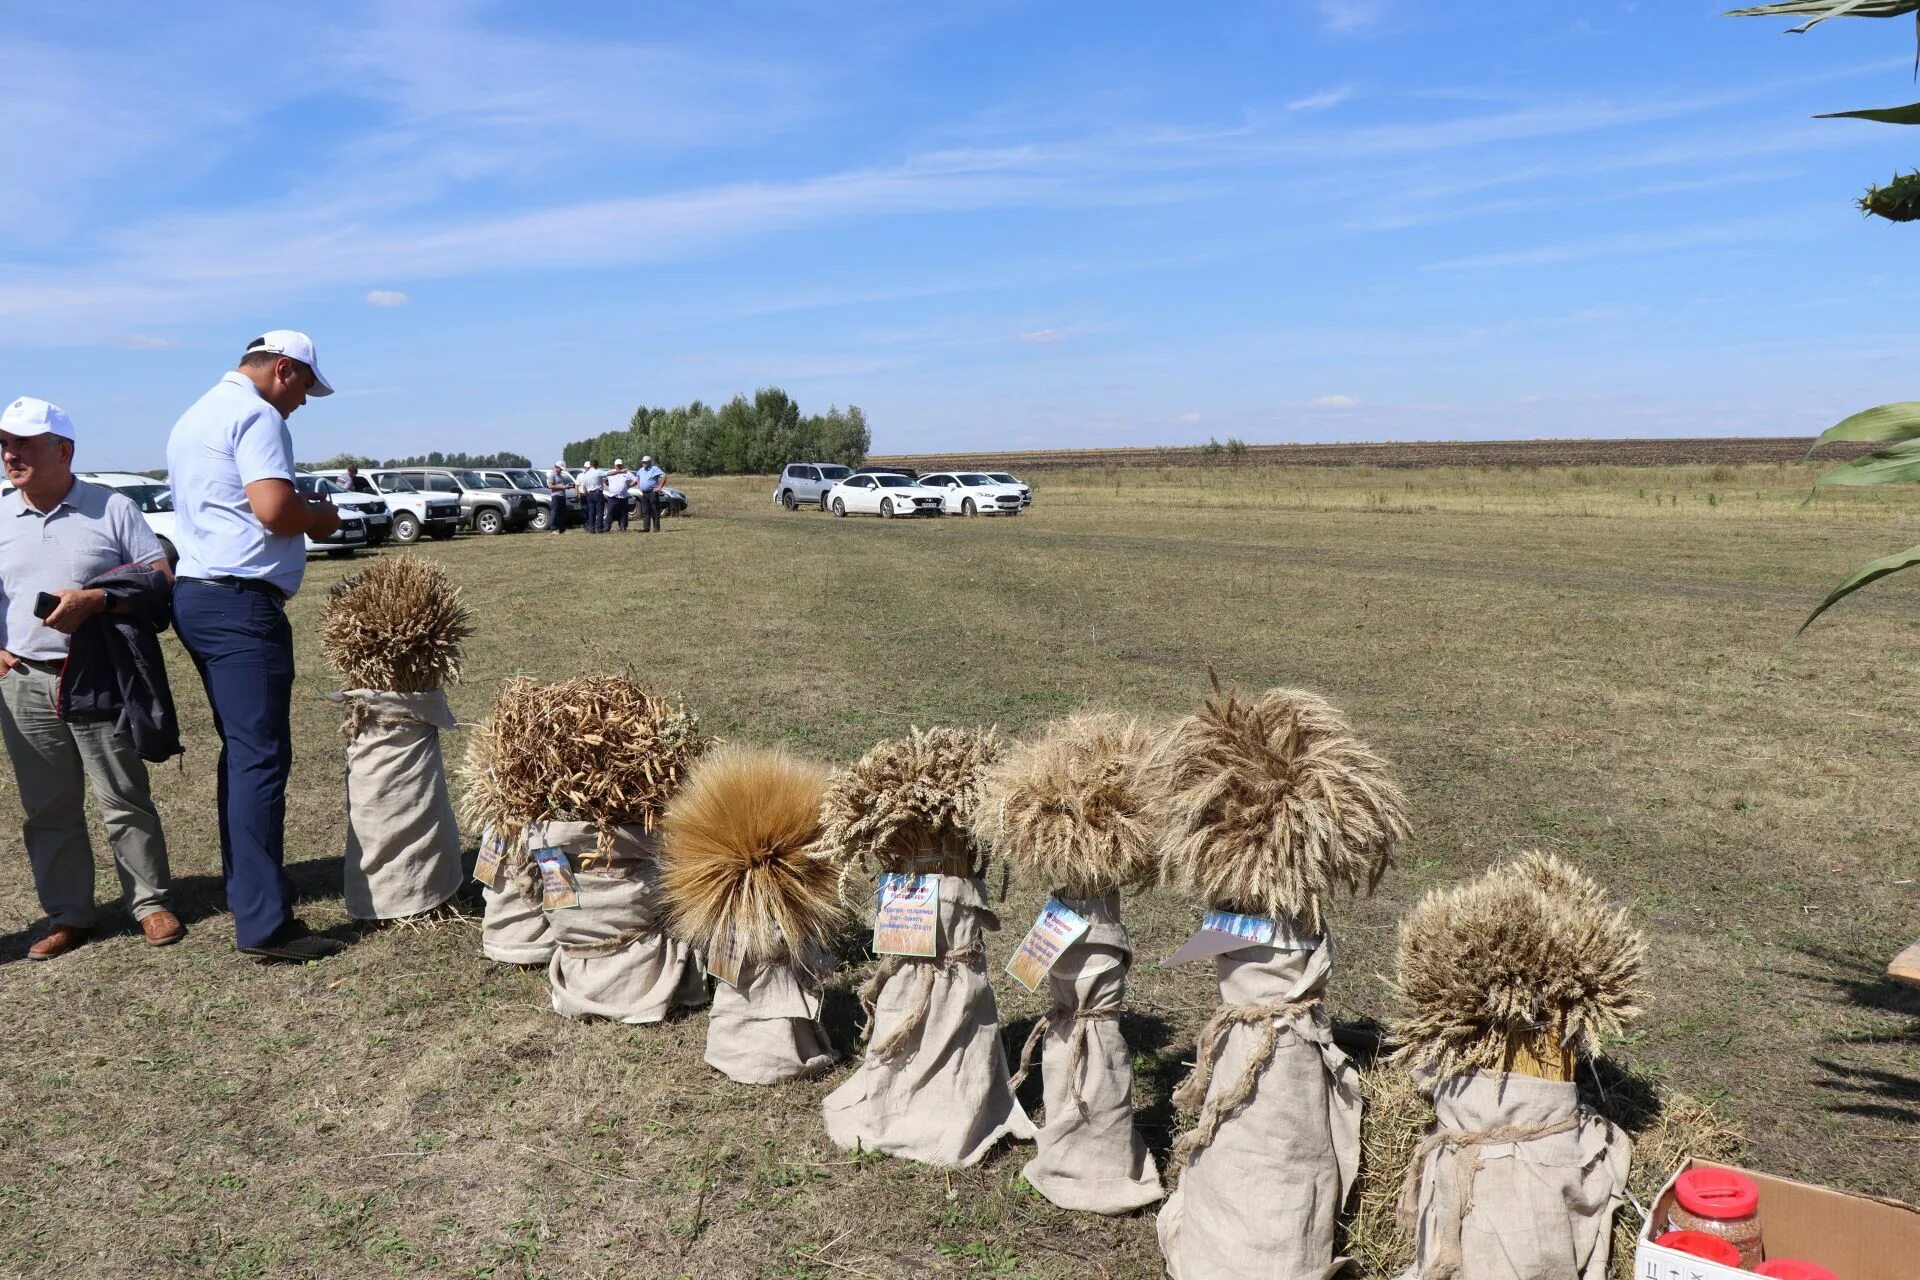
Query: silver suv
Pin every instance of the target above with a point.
(805, 484)
(483, 508)
(527, 481)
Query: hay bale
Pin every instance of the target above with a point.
(602, 750)
(1395, 1115)
(737, 856)
(1267, 804)
(908, 801)
(1529, 958)
(397, 626)
(1067, 810)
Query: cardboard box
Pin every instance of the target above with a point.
(1851, 1236)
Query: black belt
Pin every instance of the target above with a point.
(45, 666)
(259, 586)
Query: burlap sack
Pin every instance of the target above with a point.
(933, 1086)
(403, 841)
(1518, 1181)
(1272, 1157)
(768, 1029)
(613, 959)
(1090, 1156)
(514, 930)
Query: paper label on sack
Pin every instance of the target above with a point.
(558, 889)
(727, 958)
(1224, 931)
(1057, 929)
(908, 921)
(490, 868)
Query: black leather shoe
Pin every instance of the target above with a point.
(294, 943)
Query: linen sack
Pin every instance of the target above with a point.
(1257, 1199)
(612, 958)
(1090, 1155)
(767, 1030)
(403, 841)
(513, 928)
(1518, 1181)
(934, 1084)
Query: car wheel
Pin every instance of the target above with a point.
(787, 501)
(405, 529)
(967, 508)
(839, 508)
(823, 503)
(487, 522)
(886, 508)
(542, 519)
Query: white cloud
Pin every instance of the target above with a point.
(1046, 335)
(387, 298)
(1322, 100)
(1334, 402)
(1188, 417)
(1349, 15)
(148, 342)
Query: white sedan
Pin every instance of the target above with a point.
(973, 493)
(883, 495)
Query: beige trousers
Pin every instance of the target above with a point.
(54, 762)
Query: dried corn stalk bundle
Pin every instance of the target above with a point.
(1066, 810)
(1268, 805)
(741, 880)
(513, 928)
(1508, 982)
(394, 631)
(934, 1084)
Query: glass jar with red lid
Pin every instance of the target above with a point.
(1793, 1269)
(1719, 1202)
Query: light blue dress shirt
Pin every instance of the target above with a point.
(650, 478)
(226, 441)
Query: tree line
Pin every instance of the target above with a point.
(741, 437)
(465, 461)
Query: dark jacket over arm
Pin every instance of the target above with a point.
(114, 670)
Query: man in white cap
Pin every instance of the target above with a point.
(619, 482)
(650, 479)
(592, 484)
(241, 528)
(57, 534)
(559, 487)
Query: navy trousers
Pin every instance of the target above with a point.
(243, 648)
(650, 512)
(617, 512)
(596, 512)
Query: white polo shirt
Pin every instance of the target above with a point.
(618, 482)
(226, 441)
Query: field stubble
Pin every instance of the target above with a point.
(1551, 658)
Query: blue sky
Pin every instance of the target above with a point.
(988, 224)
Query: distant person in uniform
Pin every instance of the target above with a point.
(650, 479)
(241, 527)
(57, 534)
(593, 498)
(619, 482)
(559, 485)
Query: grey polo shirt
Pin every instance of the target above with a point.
(91, 530)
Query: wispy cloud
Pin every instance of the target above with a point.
(1347, 16)
(1629, 244)
(1321, 101)
(1334, 402)
(148, 342)
(1044, 336)
(387, 298)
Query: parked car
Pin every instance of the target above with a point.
(973, 493)
(884, 495)
(908, 472)
(369, 508)
(153, 497)
(527, 482)
(805, 484)
(483, 508)
(672, 502)
(1026, 490)
(414, 513)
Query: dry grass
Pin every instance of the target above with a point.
(736, 855)
(1529, 954)
(1268, 804)
(908, 800)
(599, 749)
(396, 626)
(1067, 809)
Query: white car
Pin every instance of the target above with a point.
(974, 493)
(414, 513)
(153, 497)
(886, 496)
(359, 514)
(1026, 490)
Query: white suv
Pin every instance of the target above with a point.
(974, 493)
(414, 513)
(359, 517)
(806, 484)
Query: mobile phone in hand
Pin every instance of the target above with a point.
(44, 604)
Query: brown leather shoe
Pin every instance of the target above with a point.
(163, 928)
(60, 939)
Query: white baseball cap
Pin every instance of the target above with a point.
(30, 417)
(619, 462)
(646, 457)
(294, 345)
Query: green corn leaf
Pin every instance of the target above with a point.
(1882, 424)
(1909, 114)
(1897, 465)
(1873, 572)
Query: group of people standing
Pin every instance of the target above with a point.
(607, 498)
(84, 699)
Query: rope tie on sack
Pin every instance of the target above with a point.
(890, 1049)
(1076, 1046)
(1192, 1093)
(613, 946)
(1466, 1146)
(360, 717)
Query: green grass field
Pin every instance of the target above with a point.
(1596, 660)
